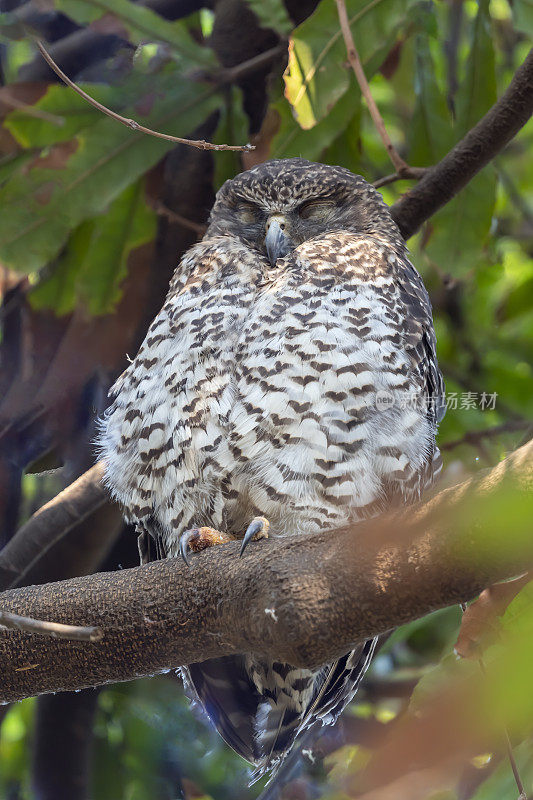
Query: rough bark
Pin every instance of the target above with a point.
(302, 599)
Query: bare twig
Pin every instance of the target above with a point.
(514, 766)
(161, 209)
(410, 173)
(475, 437)
(401, 167)
(7, 98)
(508, 747)
(251, 65)
(55, 630)
(131, 123)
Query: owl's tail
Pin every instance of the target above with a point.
(261, 707)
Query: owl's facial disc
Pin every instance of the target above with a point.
(278, 242)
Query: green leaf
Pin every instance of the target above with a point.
(232, 127)
(94, 262)
(463, 225)
(431, 133)
(292, 140)
(317, 74)
(523, 16)
(345, 150)
(12, 165)
(11, 27)
(271, 14)
(41, 206)
(141, 24)
(501, 783)
(72, 111)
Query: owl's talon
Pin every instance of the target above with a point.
(185, 538)
(257, 529)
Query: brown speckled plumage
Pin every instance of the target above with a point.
(255, 393)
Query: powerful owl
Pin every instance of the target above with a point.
(289, 384)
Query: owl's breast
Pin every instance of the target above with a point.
(311, 446)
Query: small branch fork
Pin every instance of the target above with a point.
(403, 170)
(131, 123)
(54, 630)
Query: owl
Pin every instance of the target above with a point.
(288, 385)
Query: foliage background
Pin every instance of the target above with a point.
(95, 216)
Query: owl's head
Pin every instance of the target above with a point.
(279, 204)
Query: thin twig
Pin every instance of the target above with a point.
(474, 437)
(400, 165)
(163, 211)
(7, 98)
(131, 123)
(508, 746)
(410, 173)
(251, 65)
(514, 766)
(507, 740)
(56, 630)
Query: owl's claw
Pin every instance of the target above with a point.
(185, 538)
(257, 529)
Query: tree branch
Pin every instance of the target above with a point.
(329, 590)
(480, 145)
(411, 173)
(50, 523)
(401, 167)
(475, 437)
(55, 630)
(131, 123)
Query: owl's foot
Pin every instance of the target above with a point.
(257, 529)
(197, 539)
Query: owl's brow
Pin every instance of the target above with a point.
(239, 200)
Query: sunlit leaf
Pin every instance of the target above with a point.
(317, 74)
(292, 140)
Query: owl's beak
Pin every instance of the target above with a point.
(277, 241)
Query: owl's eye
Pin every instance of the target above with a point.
(316, 209)
(248, 212)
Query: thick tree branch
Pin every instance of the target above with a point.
(50, 523)
(480, 145)
(328, 590)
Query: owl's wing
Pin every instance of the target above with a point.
(223, 690)
(420, 343)
(420, 340)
